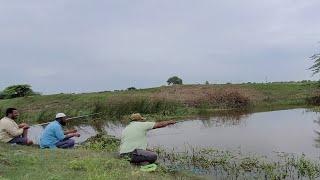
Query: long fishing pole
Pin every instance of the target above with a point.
(77, 117)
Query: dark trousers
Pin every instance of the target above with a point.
(19, 140)
(68, 143)
(141, 156)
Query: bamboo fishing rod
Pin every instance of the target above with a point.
(76, 117)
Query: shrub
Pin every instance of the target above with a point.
(315, 100)
(17, 91)
(131, 88)
(174, 80)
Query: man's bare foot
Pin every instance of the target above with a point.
(29, 143)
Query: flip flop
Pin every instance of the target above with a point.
(148, 168)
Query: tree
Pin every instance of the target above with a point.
(131, 88)
(316, 66)
(174, 80)
(17, 91)
(207, 83)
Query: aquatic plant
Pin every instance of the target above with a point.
(102, 142)
(235, 165)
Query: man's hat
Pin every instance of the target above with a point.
(60, 115)
(136, 117)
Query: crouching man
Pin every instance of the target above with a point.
(53, 135)
(11, 132)
(134, 139)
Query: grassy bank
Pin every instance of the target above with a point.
(166, 102)
(19, 162)
(96, 159)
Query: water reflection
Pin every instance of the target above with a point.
(317, 139)
(225, 119)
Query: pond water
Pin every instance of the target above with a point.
(291, 131)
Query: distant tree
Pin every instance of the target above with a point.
(174, 80)
(17, 91)
(2, 95)
(207, 83)
(315, 68)
(131, 88)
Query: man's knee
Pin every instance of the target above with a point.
(19, 140)
(71, 142)
(152, 158)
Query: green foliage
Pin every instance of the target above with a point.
(207, 83)
(315, 68)
(102, 142)
(174, 80)
(17, 91)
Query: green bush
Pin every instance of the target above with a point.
(17, 91)
(174, 80)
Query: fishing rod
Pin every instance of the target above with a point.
(76, 117)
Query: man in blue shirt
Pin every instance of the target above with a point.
(54, 137)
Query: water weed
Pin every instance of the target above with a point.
(234, 165)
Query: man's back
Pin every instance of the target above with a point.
(51, 135)
(134, 136)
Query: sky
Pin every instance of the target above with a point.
(86, 46)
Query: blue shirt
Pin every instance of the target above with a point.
(51, 135)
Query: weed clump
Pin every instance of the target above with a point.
(234, 165)
(102, 142)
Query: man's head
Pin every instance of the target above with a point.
(136, 117)
(61, 118)
(12, 113)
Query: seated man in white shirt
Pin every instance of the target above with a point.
(11, 132)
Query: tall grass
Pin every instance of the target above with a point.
(207, 97)
(118, 106)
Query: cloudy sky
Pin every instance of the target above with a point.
(84, 46)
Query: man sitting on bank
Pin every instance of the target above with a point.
(134, 139)
(53, 135)
(11, 132)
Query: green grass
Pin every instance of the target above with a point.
(20, 162)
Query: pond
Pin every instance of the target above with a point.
(291, 131)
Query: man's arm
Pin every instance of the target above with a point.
(70, 131)
(70, 135)
(24, 126)
(163, 124)
(12, 129)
